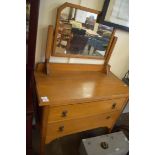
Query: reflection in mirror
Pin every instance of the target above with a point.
(79, 34)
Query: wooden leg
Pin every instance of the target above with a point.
(112, 126)
(45, 112)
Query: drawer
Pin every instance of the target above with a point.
(84, 109)
(62, 128)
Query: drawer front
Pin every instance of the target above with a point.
(62, 128)
(84, 109)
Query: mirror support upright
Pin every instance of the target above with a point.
(49, 46)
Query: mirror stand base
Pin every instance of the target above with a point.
(46, 67)
(106, 69)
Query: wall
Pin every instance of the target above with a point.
(47, 15)
(120, 57)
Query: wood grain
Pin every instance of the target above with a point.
(68, 112)
(110, 42)
(44, 119)
(121, 110)
(49, 42)
(69, 67)
(80, 7)
(86, 94)
(63, 88)
(107, 57)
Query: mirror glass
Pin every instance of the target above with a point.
(79, 34)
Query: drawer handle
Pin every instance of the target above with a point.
(104, 145)
(108, 117)
(113, 105)
(64, 113)
(61, 128)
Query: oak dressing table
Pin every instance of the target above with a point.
(77, 97)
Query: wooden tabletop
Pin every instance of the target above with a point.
(63, 88)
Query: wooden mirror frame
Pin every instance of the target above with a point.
(53, 53)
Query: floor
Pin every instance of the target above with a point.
(69, 145)
(126, 109)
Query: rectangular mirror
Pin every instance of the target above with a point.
(79, 35)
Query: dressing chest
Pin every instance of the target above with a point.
(77, 100)
(76, 97)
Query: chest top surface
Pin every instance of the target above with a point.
(63, 88)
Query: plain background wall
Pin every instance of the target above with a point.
(47, 15)
(120, 57)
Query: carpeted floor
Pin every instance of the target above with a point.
(69, 145)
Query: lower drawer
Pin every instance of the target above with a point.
(62, 128)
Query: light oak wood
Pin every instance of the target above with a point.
(66, 4)
(68, 112)
(110, 43)
(121, 110)
(106, 66)
(81, 124)
(111, 48)
(49, 42)
(69, 67)
(87, 96)
(52, 67)
(64, 88)
(44, 117)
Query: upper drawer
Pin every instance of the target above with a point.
(84, 109)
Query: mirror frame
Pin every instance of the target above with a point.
(53, 53)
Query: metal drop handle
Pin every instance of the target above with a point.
(64, 113)
(108, 117)
(114, 105)
(61, 128)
